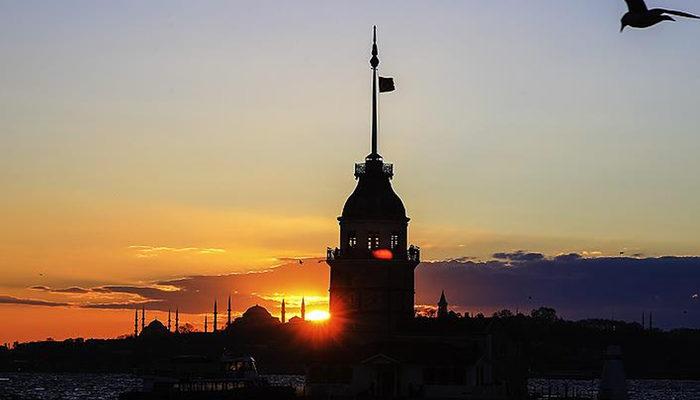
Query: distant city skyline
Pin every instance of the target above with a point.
(142, 144)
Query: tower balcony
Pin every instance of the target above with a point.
(410, 254)
(362, 168)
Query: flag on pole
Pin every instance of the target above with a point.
(386, 85)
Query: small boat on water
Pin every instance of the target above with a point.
(196, 377)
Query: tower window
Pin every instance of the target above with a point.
(352, 239)
(394, 241)
(373, 240)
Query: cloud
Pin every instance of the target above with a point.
(519, 256)
(151, 305)
(72, 289)
(578, 287)
(196, 294)
(32, 302)
(153, 251)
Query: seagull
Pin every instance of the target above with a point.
(639, 16)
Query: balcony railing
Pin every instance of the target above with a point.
(361, 169)
(332, 254)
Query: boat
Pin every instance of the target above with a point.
(197, 377)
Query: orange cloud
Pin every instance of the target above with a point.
(153, 251)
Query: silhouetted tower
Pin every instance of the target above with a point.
(136, 322)
(228, 312)
(442, 306)
(206, 324)
(168, 320)
(303, 309)
(143, 317)
(214, 327)
(177, 320)
(372, 271)
(283, 313)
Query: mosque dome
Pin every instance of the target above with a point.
(257, 312)
(155, 328)
(257, 315)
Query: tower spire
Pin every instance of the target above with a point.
(442, 306)
(374, 62)
(303, 309)
(177, 319)
(143, 317)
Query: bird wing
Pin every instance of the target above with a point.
(636, 5)
(672, 12)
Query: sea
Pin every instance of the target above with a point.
(39, 386)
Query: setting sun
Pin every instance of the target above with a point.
(317, 315)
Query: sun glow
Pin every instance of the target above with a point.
(317, 316)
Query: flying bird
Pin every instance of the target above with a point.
(639, 16)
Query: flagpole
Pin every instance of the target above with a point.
(374, 62)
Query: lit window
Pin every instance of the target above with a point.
(373, 241)
(394, 241)
(352, 240)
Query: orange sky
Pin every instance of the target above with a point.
(147, 141)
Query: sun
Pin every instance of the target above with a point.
(317, 316)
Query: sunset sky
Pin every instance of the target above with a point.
(190, 146)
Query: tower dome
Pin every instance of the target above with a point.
(373, 197)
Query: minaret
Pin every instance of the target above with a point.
(136, 322)
(303, 309)
(372, 270)
(168, 320)
(442, 306)
(177, 320)
(283, 312)
(206, 324)
(228, 312)
(143, 317)
(215, 313)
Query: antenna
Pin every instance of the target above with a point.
(374, 62)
